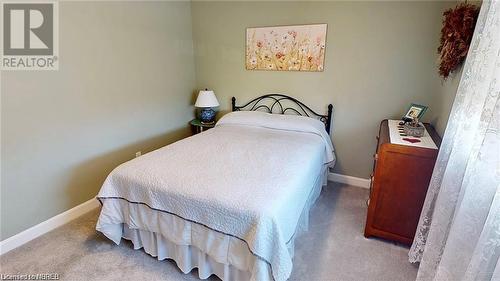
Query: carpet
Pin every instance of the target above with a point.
(333, 249)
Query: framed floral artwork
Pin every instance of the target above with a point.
(286, 48)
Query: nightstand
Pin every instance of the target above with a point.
(199, 127)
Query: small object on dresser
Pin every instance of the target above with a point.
(411, 140)
(415, 110)
(207, 101)
(414, 128)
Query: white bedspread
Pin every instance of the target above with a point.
(248, 180)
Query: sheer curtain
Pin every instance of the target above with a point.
(458, 236)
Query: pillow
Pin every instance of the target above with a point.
(284, 122)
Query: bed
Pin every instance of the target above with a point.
(229, 201)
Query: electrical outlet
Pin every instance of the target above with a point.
(138, 153)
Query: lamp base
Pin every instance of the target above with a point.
(207, 116)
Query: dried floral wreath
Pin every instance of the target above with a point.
(456, 36)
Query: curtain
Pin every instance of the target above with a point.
(458, 235)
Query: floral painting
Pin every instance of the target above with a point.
(286, 48)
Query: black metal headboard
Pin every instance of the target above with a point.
(275, 100)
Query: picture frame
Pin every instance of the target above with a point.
(415, 110)
(300, 47)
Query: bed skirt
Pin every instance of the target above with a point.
(192, 245)
(186, 257)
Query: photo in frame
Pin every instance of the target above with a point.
(415, 110)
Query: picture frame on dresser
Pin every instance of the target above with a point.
(415, 110)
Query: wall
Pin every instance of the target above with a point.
(124, 84)
(446, 89)
(445, 95)
(380, 57)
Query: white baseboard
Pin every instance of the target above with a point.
(46, 226)
(354, 181)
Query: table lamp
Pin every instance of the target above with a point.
(206, 101)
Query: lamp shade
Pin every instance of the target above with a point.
(206, 98)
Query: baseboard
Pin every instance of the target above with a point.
(46, 226)
(354, 181)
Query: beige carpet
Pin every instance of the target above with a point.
(333, 249)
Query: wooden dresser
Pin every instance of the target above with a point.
(401, 175)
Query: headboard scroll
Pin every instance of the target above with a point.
(280, 104)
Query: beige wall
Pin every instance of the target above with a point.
(446, 89)
(445, 95)
(380, 57)
(124, 84)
